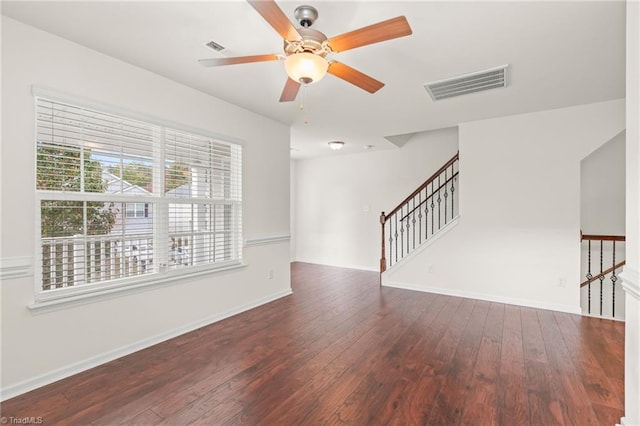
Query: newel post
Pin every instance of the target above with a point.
(383, 260)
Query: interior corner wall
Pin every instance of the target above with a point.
(339, 198)
(519, 197)
(602, 189)
(37, 349)
(631, 273)
(293, 208)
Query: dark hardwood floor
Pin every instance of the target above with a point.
(342, 350)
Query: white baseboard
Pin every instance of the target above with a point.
(78, 367)
(483, 296)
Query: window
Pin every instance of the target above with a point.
(121, 199)
(139, 210)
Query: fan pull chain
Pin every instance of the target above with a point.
(304, 106)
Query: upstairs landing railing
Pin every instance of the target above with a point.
(602, 259)
(419, 216)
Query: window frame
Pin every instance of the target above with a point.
(158, 201)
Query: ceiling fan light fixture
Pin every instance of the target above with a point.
(336, 145)
(305, 67)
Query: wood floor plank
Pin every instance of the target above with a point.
(511, 393)
(323, 369)
(481, 405)
(417, 407)
(545, 403)
(454, 392)
(601, 389)
(434, 373)
(343, 350)
(367, 354)
(406, 362)
(565, 374)
(384, 390)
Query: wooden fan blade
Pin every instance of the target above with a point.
(290, 91)
(275, 17)
(382, 31)
(355, 77)
(216, 62)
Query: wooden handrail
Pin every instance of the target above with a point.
(424, 185)
(584, 237)
(603, 273)
(432, 194)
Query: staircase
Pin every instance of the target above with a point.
(420, 216)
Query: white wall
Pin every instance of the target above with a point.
(602, 189)
(293, 185)
(631, 273)
(519, 197)
(339, 198)
(40, 348)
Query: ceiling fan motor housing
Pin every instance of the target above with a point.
(312, 41)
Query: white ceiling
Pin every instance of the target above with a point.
(559, 54)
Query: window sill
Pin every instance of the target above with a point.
(95, 294)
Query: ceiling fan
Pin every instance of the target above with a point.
(306, 50)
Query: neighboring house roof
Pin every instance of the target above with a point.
(180, 191)
(117, 185)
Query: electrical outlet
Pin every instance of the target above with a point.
(270, 274)
(562, 282)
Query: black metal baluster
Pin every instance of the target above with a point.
(601, 276)
(426, 215)
(409, 227)
(390, 244)
(433, 209)
(413, 223)
(589, 276)
(453, 188)
(446, 195)
(419, 218)
(395, 218)
(439, 202)
(401, 234)
(613, 282)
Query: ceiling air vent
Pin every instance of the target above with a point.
(469, 83)
(215, 46)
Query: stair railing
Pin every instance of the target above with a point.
(419, 216)
(605, 257)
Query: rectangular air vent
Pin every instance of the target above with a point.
(469, 83)
(215, 46)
